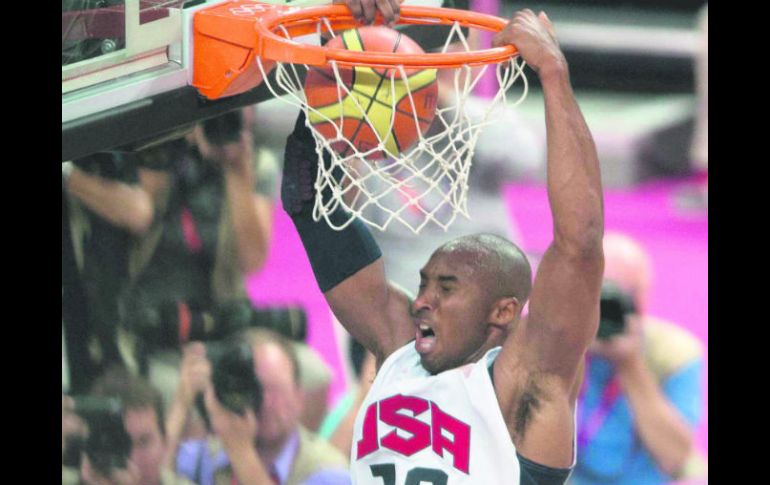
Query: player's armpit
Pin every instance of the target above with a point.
(549, 437)
(536, 372)
(539, 416)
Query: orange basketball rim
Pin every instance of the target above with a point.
(228, 37)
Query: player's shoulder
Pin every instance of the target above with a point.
(403, 357)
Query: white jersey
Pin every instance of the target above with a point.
(417, 429)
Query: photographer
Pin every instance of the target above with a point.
(188, 274)
(197, 226)
(265, 436)
(338, 425)
(108, 201)
(641, 397)
(116, 435)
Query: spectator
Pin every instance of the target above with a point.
(337, 426)
(108, 199)
(143, 422)
(641, 398)
(315, 382)
(281, 445)
(73, 430)
(214, 232)
(196, 226)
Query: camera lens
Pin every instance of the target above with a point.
(614, 307)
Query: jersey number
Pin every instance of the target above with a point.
(416, 476)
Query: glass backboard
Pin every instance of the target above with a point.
(127, 72)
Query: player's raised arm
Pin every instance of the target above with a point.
(347, 264)
(535, 375)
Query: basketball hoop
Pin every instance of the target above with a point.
(425, 183)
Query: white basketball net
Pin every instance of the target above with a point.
(425, 183)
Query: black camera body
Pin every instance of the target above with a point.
(233, 377)
(107, 445)
(615, 306)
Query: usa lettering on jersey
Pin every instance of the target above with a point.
(390, 411)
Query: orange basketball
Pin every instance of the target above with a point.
(371, 95)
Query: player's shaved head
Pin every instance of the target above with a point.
(497, 264)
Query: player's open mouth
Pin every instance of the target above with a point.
(425, 339)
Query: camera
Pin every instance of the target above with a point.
(107, 443)
(614, 307)
(233, 377)
(176, 322)
(291, 322)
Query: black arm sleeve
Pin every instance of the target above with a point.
(532, 473)
(334, 255)
(536, 474)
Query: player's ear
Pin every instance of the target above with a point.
(504, 311)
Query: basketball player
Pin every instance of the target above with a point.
(468, 392)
